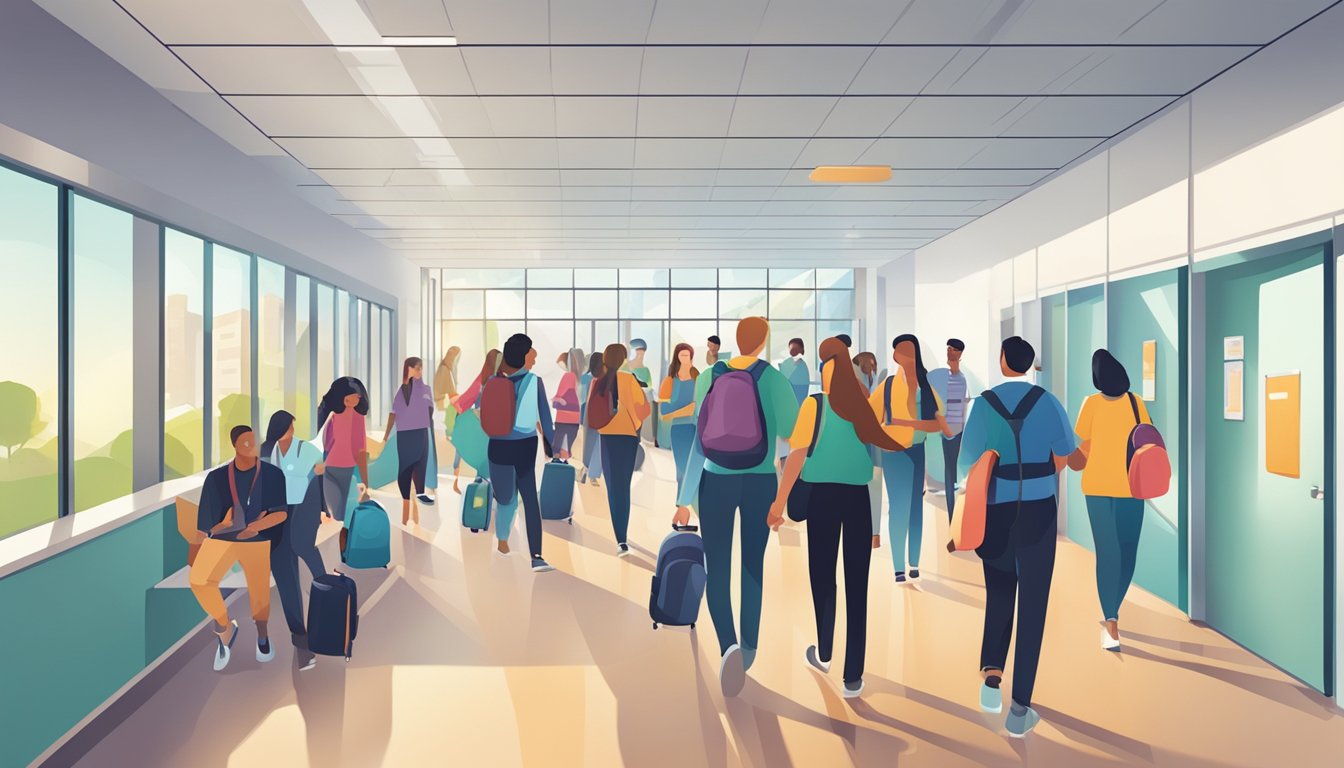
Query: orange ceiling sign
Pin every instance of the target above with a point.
(851, 174)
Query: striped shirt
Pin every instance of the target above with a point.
(956, 402)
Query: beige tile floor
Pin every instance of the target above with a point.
(468, 659)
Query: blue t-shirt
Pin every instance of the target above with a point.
(1046, 433)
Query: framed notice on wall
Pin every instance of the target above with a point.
(1234, 347)
(1234, 390)
(1283, 424)
(1150, 370)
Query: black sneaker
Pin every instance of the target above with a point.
(914, 574)
(541, 566)
(264, 650)
(622, 550)
(426, 499)
(900, 577)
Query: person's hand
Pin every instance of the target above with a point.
(562, 454)
(319, 468)
(877, 542)
(682, 516)
(363, 492)
(247, 533)
(776, 517)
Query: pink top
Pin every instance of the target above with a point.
(468, 398)
(344, 438)
(566, 400)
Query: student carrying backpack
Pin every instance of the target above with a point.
(731, 424)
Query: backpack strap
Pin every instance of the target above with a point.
(757, 369)
(1019, 470)
(816, 425)
(1134, 406)
(886, 399)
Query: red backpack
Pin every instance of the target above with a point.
(602, 406)
(1146, 459)
(498, 406)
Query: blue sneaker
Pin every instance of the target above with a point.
(1021, 720)
(732, 672)
(991, 697)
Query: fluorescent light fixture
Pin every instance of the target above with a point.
(420, 42)
(851, 174)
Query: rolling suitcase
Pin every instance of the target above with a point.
(476, 504)
(557, 491)
(368, 537)
(333, 615)
(678, 579)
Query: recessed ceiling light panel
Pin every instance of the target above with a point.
(851, 174)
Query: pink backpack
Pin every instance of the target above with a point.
(1146, 459)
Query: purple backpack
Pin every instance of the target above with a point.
(731, 426)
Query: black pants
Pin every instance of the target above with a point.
(1019, 560)
(951, 453)
(839, 515)
(285, 554)
(412, 459)
(513, 473)
(618, 461)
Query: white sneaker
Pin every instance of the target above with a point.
(732, 672)
(1108, 643)
(265, 650)
(223, 650)
(622, 550)
(852, 689)
(814, 661)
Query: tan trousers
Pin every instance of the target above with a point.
(215, 559)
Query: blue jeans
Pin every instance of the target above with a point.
(721, 496)
(592, 453)
(683, 439)
(951, 455)
(1116, 524)
(618, 455)
(903, 472)
(513, 474)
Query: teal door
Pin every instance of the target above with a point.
(1086, 315)
(1265, 533)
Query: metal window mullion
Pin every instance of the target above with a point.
(254, 334)
(65, 233)
(208, 332)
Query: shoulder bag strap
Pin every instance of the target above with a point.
(1134, 406)
(816, 425)
(886, 397)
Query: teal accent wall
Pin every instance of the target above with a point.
(1153, 307)
(1054, 352)
(1086, 315)
(81, 624)
(1264, 538)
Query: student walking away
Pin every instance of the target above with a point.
(242, 503)
(909, 410)
(469, 400)
(950, 384)
(827, 475)
(592, 454)
(743, 406)
(676, 398)
(513, 403)
(1030, 431)
(413, 417)
(638, 348)
(617, 408)
(341, 416)
(445, 382)
(568, 407)
(301, 464)
(1104, 426)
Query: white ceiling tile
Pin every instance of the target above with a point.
(802, 70)
(368, 153)
(509, 70)
(678, 153)
(742, 177)
(596, 153)
(316, 115)
(1084, 116)
(832, 152)
(755, 194)
(786, 207)
(363, 194)
(792, 116)
(972, 176)
(674, 177)
(811, 192)
(477, 152)
(706, 21)
(595, 116)
(900, 71)
(1073, 21)
(594, 193)
(692, 71)
(409, 18)
(944, 21)
(1235, 21)
(512, 177)
(591, 71)
(526, 153)
(520, 115)
(922, 153)
(460, 115)
(862, 115)
(672, 193)
(417, 177)
(1154, 70)
(603, 178)
(692, 116)
(599, 21)
(834, 21)
(1017, 71)
(761, 153)
(400, 71)
(597, 208)
(240, 22)
(955, 116)
(499, 21)
(1031, 153)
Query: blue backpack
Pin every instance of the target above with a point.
(368, 537)
(678, 579)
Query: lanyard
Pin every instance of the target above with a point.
(233, 488)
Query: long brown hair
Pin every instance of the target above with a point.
(406, 367)
(674, 367)
(491, 365)
(849, 399)
(613, 357)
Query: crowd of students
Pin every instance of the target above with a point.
(750, 441)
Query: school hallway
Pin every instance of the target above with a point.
(465, 658)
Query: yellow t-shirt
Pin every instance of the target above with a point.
(1106, 424)
(900, 409)
(630, 398)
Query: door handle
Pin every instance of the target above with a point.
(1317, 494)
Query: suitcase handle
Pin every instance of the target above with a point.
(685, 528)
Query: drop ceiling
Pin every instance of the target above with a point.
(677, 127)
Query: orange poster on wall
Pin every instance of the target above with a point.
(1283, 424)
